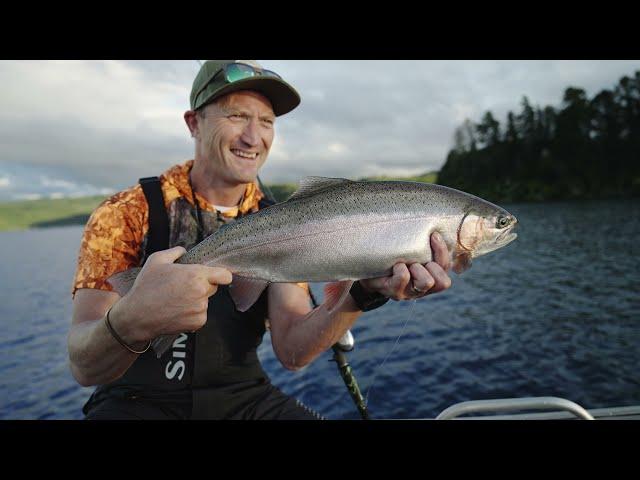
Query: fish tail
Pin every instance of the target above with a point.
(162, 344)
(123, 281)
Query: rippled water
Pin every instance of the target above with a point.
(557, 312)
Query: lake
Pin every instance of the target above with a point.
(555, 313)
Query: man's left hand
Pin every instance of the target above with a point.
(409, 282)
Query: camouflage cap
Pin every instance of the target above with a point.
(209, 84)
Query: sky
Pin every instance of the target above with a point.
(73, 128)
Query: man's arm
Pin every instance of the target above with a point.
(96, 357)
(299, 335)
(166, 298)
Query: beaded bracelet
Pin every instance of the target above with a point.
(117, 337)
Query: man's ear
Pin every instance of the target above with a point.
(190, 118)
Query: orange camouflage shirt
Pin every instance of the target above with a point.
(115, 236)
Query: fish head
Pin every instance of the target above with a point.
(483, 230)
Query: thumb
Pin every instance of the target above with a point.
(166, 256)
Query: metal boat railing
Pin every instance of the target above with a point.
(514, 404)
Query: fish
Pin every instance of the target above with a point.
(338, 230)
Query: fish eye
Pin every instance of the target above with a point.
(502, 222)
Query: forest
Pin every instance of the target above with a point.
(585, 148)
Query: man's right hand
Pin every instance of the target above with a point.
(166, 298)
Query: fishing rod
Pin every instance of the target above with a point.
(346, 344)
(343, 345)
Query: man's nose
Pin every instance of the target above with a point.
(251, 133)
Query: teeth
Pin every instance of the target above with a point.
(242, 154)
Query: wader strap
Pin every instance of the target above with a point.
(268, 198)
(158, 237)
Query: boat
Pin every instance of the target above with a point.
(561, 409)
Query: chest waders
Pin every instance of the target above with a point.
(214, 372)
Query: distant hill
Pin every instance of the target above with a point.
(47, 212)
(429, 177)
(283, 191)
(75, 211)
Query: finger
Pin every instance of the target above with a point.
(441, 278)
(209, 286)
(399, 281)
(218, 275)
(212, 288)
(166, 256)
(376, 284)
(440, 252)
(421, 280)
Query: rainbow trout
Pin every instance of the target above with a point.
(337, 230)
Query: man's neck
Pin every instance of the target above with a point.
(214, 189)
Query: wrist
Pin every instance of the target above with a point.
(365, 287)
(126, 328)
(366, 299)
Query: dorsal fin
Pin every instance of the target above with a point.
(311, 185)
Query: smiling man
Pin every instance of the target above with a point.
(211, 371)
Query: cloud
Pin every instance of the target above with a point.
(28, 196)
(27, 183)
(107, 123)
(98, 118)
(337, 148)
(53, 183)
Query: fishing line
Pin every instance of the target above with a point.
(366, 398)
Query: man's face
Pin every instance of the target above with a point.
(236, 135)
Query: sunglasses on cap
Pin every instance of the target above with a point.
(240, 71)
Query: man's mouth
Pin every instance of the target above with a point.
(244, 154)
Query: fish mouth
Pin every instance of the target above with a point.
(506, 237)
(501, 240)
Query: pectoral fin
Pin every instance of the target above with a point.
(246, 291)
(335, 293)
(461, 262)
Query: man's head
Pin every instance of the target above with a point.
(233, 110)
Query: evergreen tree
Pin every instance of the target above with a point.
(488, 130)
(587, 148)
(511, 135)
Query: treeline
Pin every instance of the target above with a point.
(588, 148)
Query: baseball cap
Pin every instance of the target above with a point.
(219, 77)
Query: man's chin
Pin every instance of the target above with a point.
(247, 177)
(249, 174)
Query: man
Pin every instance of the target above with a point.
(212, 369)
